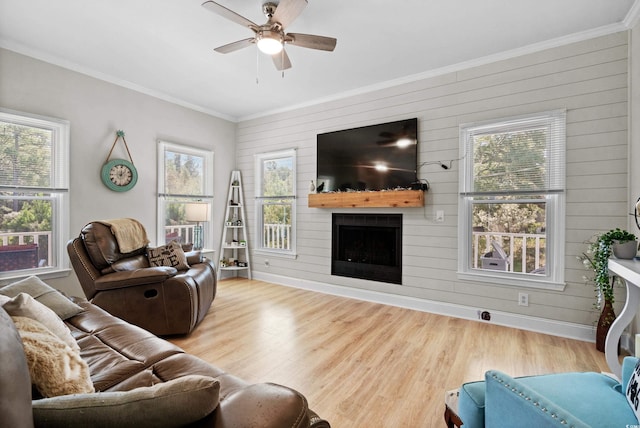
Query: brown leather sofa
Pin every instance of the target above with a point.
(160, 299)
(123, 357)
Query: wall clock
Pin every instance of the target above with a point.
(119, 175)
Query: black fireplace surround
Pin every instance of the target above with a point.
(367, 246)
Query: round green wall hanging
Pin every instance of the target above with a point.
(119, 175)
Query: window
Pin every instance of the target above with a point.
(34, 186)
(276, 202)
(185, 181)
(511, 219)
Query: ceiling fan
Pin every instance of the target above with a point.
(271, 37)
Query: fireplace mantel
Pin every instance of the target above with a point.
(378, 199)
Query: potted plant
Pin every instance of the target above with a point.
(623, 243)
(596, 259)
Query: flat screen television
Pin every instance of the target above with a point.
(376, 157)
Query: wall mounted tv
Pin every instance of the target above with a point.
(376, 157)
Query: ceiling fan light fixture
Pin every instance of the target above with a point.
(269, 42)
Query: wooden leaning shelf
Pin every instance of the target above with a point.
(383, 199)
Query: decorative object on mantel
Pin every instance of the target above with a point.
(119, 175)
(312, 187)
(596, 258)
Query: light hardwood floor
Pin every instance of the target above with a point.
(363, 364)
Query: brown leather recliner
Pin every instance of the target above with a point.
(161, 299)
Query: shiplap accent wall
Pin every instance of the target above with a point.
(588, 78)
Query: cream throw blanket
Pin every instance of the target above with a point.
(129, 233)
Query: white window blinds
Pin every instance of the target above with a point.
(516, 156)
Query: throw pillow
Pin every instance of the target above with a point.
(23, 305)
(55, 368)
(170, 255)
(45, 294)
(633, 391)
(177, 402)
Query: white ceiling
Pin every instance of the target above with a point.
(165, 47)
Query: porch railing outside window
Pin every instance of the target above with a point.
(526, 252)
(25, 250)
(277, 236)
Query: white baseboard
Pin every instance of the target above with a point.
(540, 325)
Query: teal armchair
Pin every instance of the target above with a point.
(576, 400)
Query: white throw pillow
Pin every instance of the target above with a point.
(23, 305)
(45, 294)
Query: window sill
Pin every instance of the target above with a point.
(275, 253)
(512, 280)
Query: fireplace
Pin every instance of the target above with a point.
(367, 246)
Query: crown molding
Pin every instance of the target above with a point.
(633, 15)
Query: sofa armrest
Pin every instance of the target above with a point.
(509, 402)
(132, 278)
(264, 405)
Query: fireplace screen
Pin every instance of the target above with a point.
(367, 246)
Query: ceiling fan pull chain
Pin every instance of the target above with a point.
(257, 66)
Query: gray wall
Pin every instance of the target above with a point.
(96, 109)
(588, 78)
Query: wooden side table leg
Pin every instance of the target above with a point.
(451, 419)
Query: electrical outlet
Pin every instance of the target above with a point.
(523, 299)
(440, 216)
(266, 263)
(485, 315)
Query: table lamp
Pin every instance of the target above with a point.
(197, 212)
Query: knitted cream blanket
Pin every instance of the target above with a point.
(129, 233)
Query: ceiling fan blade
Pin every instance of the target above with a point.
(281, 60)
(229, 14)
(232, 47)
(312, 42)
(287, 11)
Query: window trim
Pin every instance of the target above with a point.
(259, 159)
(59, 190)
(207, 195)
(554, 196)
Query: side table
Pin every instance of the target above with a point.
(210, 254)
(629, 270)
(451, 417)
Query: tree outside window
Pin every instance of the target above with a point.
(275, 195)
(511, 162)
(185, 176)
(512, 184)
(33, 188)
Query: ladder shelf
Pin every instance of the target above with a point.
(234, 247)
